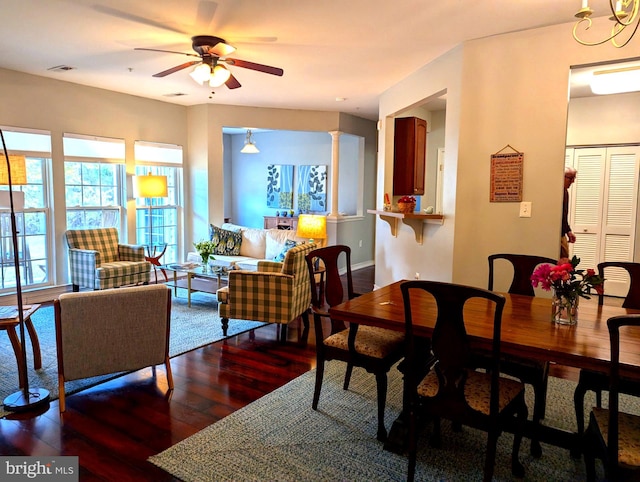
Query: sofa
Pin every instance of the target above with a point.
(240, 247)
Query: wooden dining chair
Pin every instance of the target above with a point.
(595, 381)
(481, 399)
(374, 349)
(614, 436)
(531, 372)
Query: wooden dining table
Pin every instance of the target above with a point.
(527, 331)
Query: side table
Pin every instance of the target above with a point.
(10, 324)
(154, 259)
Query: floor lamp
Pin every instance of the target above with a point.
(151, 186)
(15, 173)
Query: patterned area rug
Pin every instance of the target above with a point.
(279, 437)
(190, 328)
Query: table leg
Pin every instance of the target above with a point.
(17, 350)
(35, 343)
(175, 283)
(189, 290)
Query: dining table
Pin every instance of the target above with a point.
(526, 331)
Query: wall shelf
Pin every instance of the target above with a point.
(415, 220)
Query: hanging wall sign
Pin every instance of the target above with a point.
(506, 176)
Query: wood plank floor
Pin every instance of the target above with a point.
(116, 426)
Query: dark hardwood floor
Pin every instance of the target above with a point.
(114, 427)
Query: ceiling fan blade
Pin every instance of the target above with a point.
(167, 51)
(204, 15)
(176, 68)
(253, 66)
(136, 18)
(232, 82)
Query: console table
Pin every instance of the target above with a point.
(281, 222)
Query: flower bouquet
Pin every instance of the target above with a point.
(205, 249)
(569, 284)
(407, 204)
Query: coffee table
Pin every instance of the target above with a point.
(195, 271)
(9, 321)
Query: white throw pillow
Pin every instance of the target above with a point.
(253, 243)
(276, 239)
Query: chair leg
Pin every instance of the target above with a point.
(316, 391)
(305, 319)
(412, 445)
(599, 398)
(578, 404)
(283, 332)
(381, 382)
(167, 366)
(347, 376)
(517, 469)
(490, 458)
(75, 288)
(540, 392)
(436, 438)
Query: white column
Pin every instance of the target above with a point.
(335, 171)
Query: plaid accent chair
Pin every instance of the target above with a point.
(275, 293)
(97, 261)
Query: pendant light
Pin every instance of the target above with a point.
(249, 145)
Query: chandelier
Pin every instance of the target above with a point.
(623, 13)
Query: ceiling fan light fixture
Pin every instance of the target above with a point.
(616, 81)
(249, 145)
(219, 76)
(201, 73)
(225, 49)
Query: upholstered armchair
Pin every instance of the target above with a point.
(97, 260)
(112, 331)
(275, 293)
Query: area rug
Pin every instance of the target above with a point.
(191, 327)
(279, 437)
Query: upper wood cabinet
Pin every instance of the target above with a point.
(409, 148)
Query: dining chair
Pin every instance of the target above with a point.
(374, 349)
(530, 372)
(595, 381)
(481, 399)
(613, 436)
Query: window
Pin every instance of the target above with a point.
(94, 174)
(34, 237)
(161, 214)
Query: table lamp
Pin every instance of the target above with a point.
(312, 226)
(15, 173)
(150, 186)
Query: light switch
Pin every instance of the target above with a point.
(525, 209)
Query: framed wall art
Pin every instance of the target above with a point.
(280, 186)
(312, 188)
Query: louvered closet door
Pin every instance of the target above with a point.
(603, 209)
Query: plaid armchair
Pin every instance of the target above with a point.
(97, 260)
(275, 293)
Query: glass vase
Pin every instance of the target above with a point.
(565, 308)
(205, 262)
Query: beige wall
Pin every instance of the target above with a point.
(30, 101)
(508, 89)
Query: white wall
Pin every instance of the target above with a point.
(604, 119)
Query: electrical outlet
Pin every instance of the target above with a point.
(417, 276)
(525, 209)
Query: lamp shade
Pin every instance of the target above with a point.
(18, 171)
(312, 226)
(150, 186)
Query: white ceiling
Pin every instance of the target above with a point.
(354, 49)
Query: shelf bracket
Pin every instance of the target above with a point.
(416, 225)
(393, 224)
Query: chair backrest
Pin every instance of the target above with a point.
(103, 240)
(614, 325)
(523, 267)
(108, 331)
(632, 300)
(332, 287)
(449, 342)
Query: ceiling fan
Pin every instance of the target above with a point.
(212, 52)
